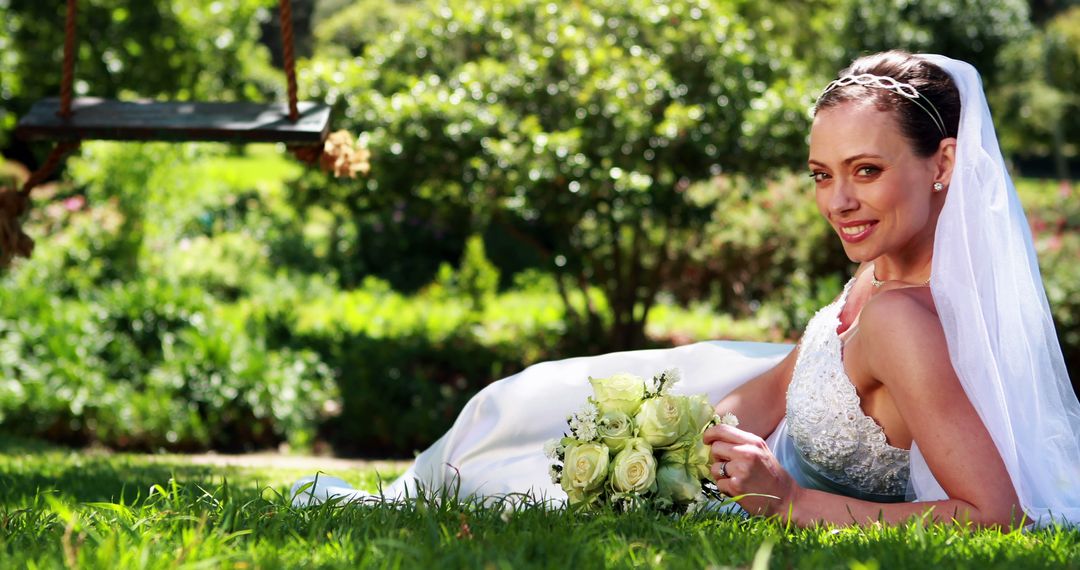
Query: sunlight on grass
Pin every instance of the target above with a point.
(95, 510)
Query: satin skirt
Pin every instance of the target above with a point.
(495, 447)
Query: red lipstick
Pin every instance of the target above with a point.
(856, 231)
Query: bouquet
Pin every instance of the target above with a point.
(634, 446)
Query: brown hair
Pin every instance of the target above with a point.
(916, 123)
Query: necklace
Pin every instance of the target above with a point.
(877, 283)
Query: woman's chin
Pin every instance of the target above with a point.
(858, 253)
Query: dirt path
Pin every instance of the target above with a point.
(280, 461)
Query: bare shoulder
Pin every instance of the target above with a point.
(903, 332)
(903, 304)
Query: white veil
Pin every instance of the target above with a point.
(1001, 339)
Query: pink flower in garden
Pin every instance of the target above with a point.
(74, 203)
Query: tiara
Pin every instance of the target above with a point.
(888, 83)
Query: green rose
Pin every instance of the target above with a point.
(584, 470)
(634, 468)
(676, 483)
(615, 429)
(662, 420)
(700, 412)
(621, 392)
(691, 454)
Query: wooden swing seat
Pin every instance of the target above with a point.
(106, 119)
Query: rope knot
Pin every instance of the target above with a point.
(13, 241)
(343, 156)
(13, 203)
(339, 155)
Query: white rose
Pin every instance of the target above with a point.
(615, 429)
(662, 420)
(634, 468)
(584, 470)
(621, 392)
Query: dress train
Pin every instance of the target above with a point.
(495, 447)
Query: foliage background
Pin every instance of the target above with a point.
(549, 179)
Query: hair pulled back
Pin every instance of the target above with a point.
(929, 80)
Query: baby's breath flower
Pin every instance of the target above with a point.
(552, 448)
(556, 474)
(697, 504)
(586, 430)
(729, 419)
(663, 382)
(672, 376)
(583, 423)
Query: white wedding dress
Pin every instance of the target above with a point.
(495, 446)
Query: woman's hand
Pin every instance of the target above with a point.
(743, 465)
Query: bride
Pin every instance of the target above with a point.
(933, 384)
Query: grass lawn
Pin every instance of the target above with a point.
(63, 508)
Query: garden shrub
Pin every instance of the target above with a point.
(476, 278)
(765, 253)
(51, 362)
(146, 365)
(406, 365)
(1060, 261)
(1054, 214)
(239, 352)
(108, 336)
(576, 131)
(975, 31)
(352, 235)
(184, 331)
(345, 28)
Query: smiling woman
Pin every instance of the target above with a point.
(907, 392)
(932, 386)
(875, 190)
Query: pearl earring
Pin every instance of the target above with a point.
(938, 187)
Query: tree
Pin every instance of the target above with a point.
(1039, 109)
(576, 128)
(975, 31)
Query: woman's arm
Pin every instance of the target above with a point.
(905, 350)
(752, 475)
(760, 403)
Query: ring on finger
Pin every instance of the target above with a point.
(723, 470)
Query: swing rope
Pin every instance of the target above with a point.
(289, 59)
(339, 154)
(14, 203)
(68, 77)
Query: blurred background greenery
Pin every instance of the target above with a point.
(549, 179)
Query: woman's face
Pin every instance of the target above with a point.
(871, 187)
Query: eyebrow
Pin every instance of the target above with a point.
(848, 160)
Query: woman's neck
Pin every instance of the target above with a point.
(910, 265)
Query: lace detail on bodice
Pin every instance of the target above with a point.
(828, 427)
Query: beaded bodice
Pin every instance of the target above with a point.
(829, 430)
